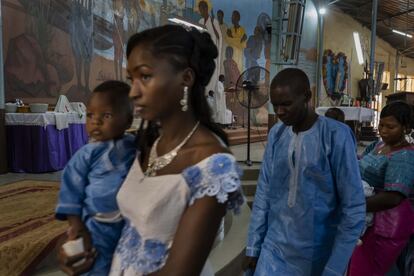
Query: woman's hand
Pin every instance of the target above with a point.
(384, 200)
(249, 263)
(82, 262)
(76, 264)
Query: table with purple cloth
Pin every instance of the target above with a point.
(43, 142)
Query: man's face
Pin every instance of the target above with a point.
(235, 18)
(203, 8)
(290, 107)
(220, 17)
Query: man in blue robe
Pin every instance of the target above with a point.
(309, 208)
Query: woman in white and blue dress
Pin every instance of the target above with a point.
(184, 178)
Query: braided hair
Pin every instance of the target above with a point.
(182, 49)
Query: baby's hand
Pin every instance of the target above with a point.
(83, 257)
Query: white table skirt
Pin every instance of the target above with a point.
(61, 120)
(352, 113)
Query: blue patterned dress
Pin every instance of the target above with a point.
(153, 207)
(391, 172)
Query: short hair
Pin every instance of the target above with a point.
(401, 111)
(294, 78)
(336, 114)
(221, 77)
(203, 3)
(237, 13)
(220, 11)
(118, 96)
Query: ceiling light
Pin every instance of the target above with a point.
(322, 11)
(401, 33)
(185, 23)
(358, 48)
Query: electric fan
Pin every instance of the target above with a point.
(252, 90)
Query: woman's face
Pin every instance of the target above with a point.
(156, 87)
(391, 131)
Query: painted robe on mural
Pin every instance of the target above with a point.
(208, 24)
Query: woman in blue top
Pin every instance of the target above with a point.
(388, 166)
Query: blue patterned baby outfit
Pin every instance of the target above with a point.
(89, 186)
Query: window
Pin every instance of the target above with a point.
(400, 82)
(410, 84)
(386, 78)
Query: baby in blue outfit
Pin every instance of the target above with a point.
(93, 176)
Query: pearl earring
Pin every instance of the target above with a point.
(184, 100)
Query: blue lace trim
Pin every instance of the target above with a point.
(144, 256)
(220, 178)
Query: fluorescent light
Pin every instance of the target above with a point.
(322, 11)
(401, 33)
(185, 23)
(358, 48)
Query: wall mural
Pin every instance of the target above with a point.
(54, 47)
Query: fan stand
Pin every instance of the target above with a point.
(250, 86)
(249, 101)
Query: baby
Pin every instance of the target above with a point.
(93, 176)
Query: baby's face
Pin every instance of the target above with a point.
(102, 122)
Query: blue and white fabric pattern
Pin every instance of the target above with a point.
(308, 213)
(153, 207)
(90, 182)
(219, 178)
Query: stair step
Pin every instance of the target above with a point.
(368, 138)
(243, 131)
(249, 187)
(250, 174)
(250, 200)
(243, 139)
(367, 128)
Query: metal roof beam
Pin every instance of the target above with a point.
(396, 15)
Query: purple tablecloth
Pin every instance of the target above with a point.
(38, 149)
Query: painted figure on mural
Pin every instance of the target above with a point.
(236, 38)
(213, 28)
(81, 30)
(134, 14)
(254, 48)
(118, 35)
(148, 19)
(264, 22)
(33, 68)
(223, 30)
(231, 70)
